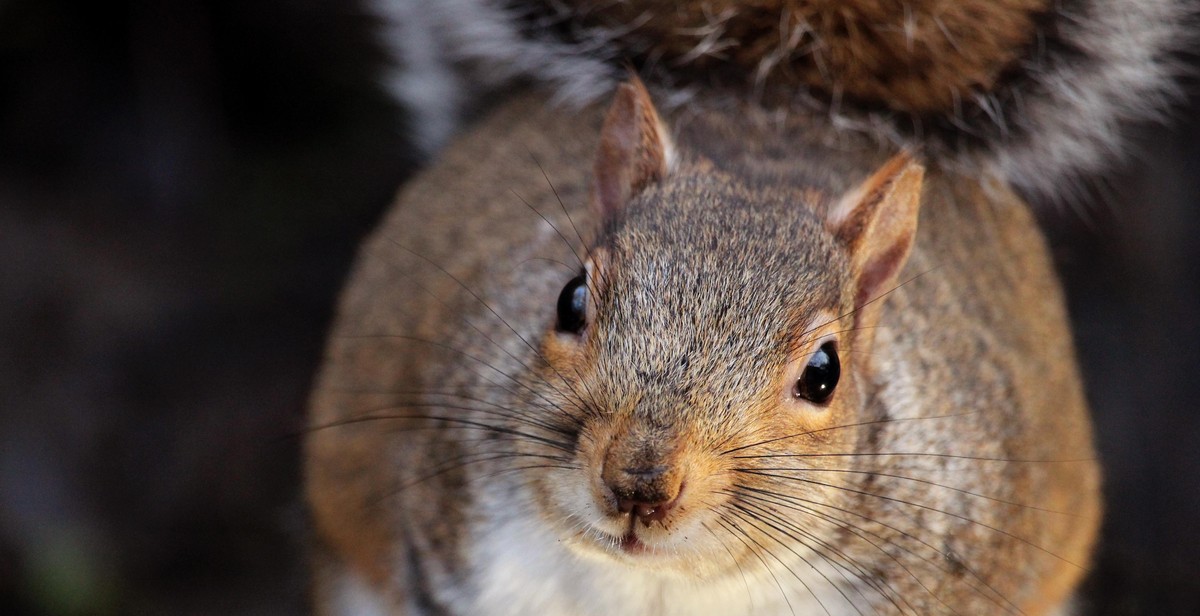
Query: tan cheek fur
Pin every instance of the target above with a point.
(781, 424)
(564, 354)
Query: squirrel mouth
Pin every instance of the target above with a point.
(630, 544)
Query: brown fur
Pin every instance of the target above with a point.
(918, 56)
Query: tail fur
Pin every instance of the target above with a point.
(1037, 91)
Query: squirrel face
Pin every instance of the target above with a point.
(695, 417)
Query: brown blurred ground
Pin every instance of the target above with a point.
(182, 185)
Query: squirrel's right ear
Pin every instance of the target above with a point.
(634, 151)
(877, 222)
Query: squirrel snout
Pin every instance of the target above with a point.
(647, 492)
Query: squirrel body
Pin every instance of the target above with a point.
(640, 447)
(796, 349)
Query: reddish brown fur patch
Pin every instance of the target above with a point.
(915, 55)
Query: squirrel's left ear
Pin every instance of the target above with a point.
(634, 151)
(877, 222)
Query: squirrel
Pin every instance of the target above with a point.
(775, 334)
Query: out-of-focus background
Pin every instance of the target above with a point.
(182, 185)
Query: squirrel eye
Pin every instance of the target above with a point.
(572, 306)
(820, 376)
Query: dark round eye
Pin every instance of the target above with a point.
(572, 306)
(820, 376)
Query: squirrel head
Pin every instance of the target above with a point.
(716, 330)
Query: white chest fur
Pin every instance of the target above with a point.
(520, 569)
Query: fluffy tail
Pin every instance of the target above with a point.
(1037, 91)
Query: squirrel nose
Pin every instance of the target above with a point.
(647, 493)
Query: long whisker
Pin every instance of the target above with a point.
(793, 531)
(787, 502)
(920, 454)
(495, 410)
(913, 479)
(558, 198)
(741, 514)
(463, 354)
(552, 225)
(742, 536)
(936, 564)
(502, 320)
(734, 560)
(921, 506)
(566, 447)
(463, 463)
(462, 318)
(844, 427)
(877, 298)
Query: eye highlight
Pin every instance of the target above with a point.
(572, 306)
(820, 376)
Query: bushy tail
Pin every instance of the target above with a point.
(1038, 91)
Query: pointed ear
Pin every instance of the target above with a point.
(634, 151)
(877, 223)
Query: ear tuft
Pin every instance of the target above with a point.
(634, 151)
(877, 222)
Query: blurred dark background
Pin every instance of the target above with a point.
(182, 185)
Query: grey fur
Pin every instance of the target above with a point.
(1069, 114)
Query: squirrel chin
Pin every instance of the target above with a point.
(629, 543)
(631, 551)
(676, 545)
